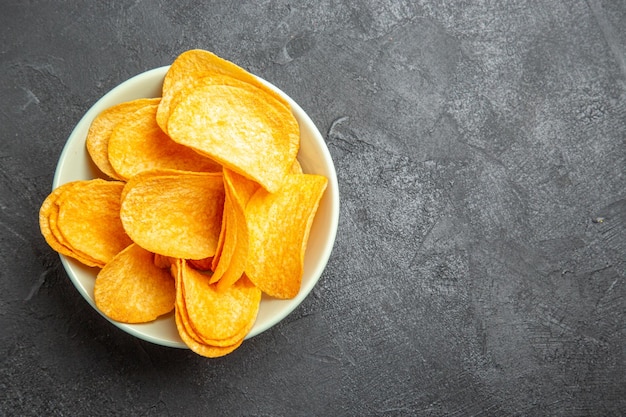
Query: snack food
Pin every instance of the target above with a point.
(157, 204)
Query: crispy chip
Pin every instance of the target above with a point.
(138, 144)
(243, 129)
(278, 226)
(132, 289)
(48, 215)
(174, 213)
(196, 64)
(89, 219)
(220, 240)
(220, 318)
(185, 329)
(81, 220)
(202, 349)
(239, 190)
(100, 130)
(228, 239)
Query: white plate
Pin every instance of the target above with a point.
(75, 164)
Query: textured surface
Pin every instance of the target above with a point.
(480, 263)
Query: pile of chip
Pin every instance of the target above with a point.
(203, 206)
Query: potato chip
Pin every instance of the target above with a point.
(195, 64)
(48, 215)
(132, 289)
(183, 324)
(202, 349)
(138, 144)
(219, 318)
(81, 220)
(243, 129)
(181, 309)
(100, 130)
(228, 239)
(239, 190)
(191, 82)
(220, 240)
(89, 219)
(174, 213)
(278, 226)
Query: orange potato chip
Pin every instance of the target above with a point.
(48, 215)
(174, 213)
(240, 190)
(203, 349)
(81, 220)
(196, 64)
(185, 329)
(244, 129)
(220, 239)
(138, 144)
(100, 130)
(228, 239)
(89, 219)
(132, 289)
(192, 81)
(278, 226)
(219, 318)
(179, 303)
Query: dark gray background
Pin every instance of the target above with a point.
(477, 145)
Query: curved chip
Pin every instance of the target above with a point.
(89, 219)
(132, 289)
(174, 213)
(138, 144)
(239, 190)
(102, 126)
(278, 226)
(188, 334)
(202, 349)
(227, 240)
(193, 65)
(81, 220)
(243, 129)
(48, 215)
(220, 318)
